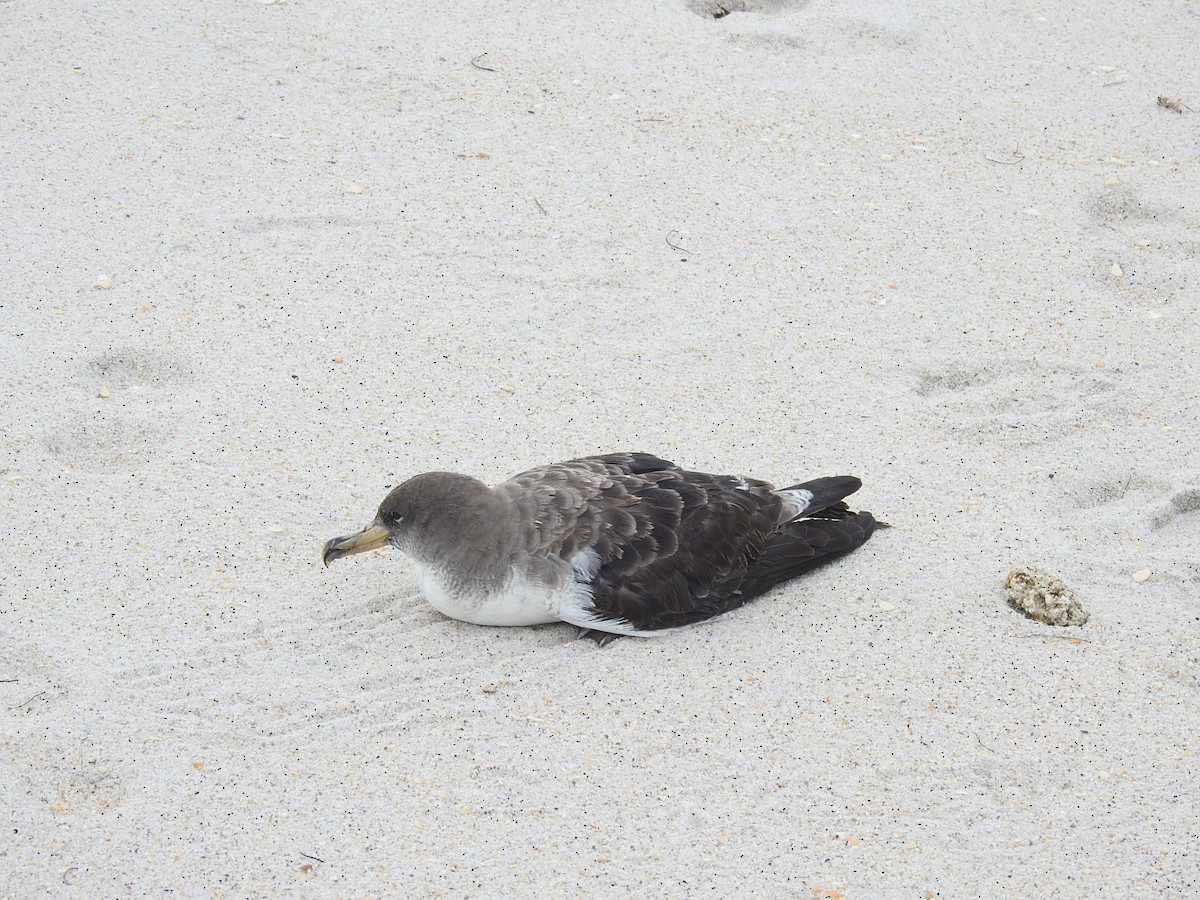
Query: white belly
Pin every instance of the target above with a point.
(526, 601)
(519, 602)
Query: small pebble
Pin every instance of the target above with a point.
(354, 189)
(1044, 597)
(885, 606)
(103, 283)
(105, 393)
(1116, 270)
(1141, 575)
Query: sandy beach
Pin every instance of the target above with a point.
(262, 261)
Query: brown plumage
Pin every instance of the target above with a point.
(625, 543)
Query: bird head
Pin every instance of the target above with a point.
(428, 511)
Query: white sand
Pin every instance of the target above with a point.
(903, 225)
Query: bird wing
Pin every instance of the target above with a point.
(657, 546)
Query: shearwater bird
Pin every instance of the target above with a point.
(621, 544)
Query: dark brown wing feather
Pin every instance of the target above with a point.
(672, 546)
(804, 544)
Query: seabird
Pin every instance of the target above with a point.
(621, 544)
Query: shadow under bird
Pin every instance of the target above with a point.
(621, 544)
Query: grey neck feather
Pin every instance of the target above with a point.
(462, 528)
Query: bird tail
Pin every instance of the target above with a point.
(811, 497)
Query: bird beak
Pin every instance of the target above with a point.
(372, 537)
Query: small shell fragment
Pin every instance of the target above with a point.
(354, 189)
(1044, 597)
(1141, 575)
(1117, 270)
